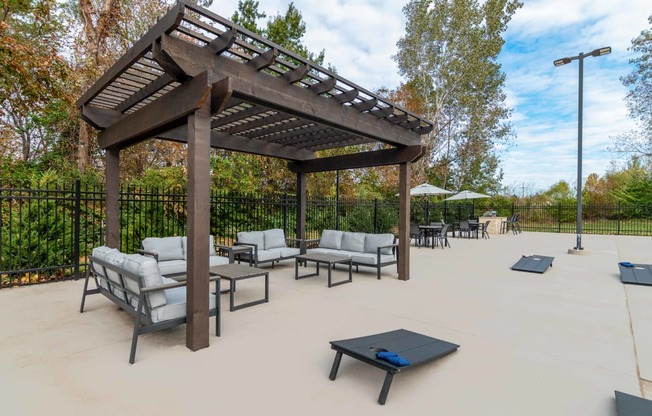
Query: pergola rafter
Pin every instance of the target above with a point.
(198, 78)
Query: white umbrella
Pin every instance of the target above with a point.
(427, 189)
(466, 195)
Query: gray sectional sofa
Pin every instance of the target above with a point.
(134, 283)
(171, 253)
(369, 250)
(269, 246)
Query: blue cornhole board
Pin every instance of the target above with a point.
(629, 405)
(639, 274)
(534, 263)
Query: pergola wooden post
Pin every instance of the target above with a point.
(404, 221)
(200, 79)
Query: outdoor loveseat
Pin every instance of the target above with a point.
(370, 250)
(268, 246)
(134, 283)
(171, 253)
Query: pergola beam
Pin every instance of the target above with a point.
(163, 114)
(359, 160)
(275, 92)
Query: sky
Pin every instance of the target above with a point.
(360, 36)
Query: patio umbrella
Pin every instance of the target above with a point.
(466, 195)
(427, 189)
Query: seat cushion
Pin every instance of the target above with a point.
(287, 252)
(353, 242)
(269, 255)
(211, 246)
(372, 259)
(331, 251)
(217, 261)
(274, 238)
(148, 268)
(167, 248)
(252, 237)
(331, 239)
(373, 241)
(176, 305)
(172, 266)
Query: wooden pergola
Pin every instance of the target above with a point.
(198, 78)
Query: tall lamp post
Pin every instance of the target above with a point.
(563, 61)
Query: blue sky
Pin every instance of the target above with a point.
(360, 37)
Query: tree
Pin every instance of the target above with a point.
(639, 98)
(248, 15)
(449, 57)
(33, 76)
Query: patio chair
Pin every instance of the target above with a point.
(416, 234)
(442, 235)
(504, 225)
(485, 228)
(465, 228)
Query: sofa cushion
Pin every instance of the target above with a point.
(287, 252)
(167, 248)
(353, 241)
(115, 258)
(217, 261)
(176, 305)
(100, 253)
(268, 255)
(252, 237)
(373, 241)
(146, 267)
(372, 259)
(172, 267)
(331, 239)
(211, 246)
(274, 238)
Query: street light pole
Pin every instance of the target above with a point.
(563, 61)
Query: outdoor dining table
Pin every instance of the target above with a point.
(432, 231)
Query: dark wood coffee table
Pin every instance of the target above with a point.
(416, 348)
(320, 258)
(234, 272)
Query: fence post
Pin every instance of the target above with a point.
(375, 215)
(559, 217)
(285, 213)
(618, 231)
(77, 226)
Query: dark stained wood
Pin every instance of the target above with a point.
(297, 74)
(398, 119)
(168, 63)
(112, 173)
(382, 112)
(404, 221)
(423, 129)
(346, 97)
(244, 145)
(323, 86)
(161, 115)
(366, 105)
(263, 60)
(221, 92)
(281, 138)
(260, 88)
(166, 24)
(146, 91)
(98, 117)
(359, 160)
(409, 125)
(222, 42)
(197, 292)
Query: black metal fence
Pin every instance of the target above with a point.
(46, 232)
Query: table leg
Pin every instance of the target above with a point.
(336, 365)
(385, 390)
(329, 274)
(231, 294)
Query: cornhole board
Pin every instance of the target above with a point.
(534, 263)
(416, 348)
(629, 405)
(640, 274)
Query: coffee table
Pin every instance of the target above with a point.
(234, 272)
(416, 348)
(234, 252)
(320, 258)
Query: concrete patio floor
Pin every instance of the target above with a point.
(553, 344)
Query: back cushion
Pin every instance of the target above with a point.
(148, 269)
(274, 238)
(373, 241)
(211, 246)
(167, 248)
(252, 237)
(331, 239)
(353, 241)
(100, 253)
